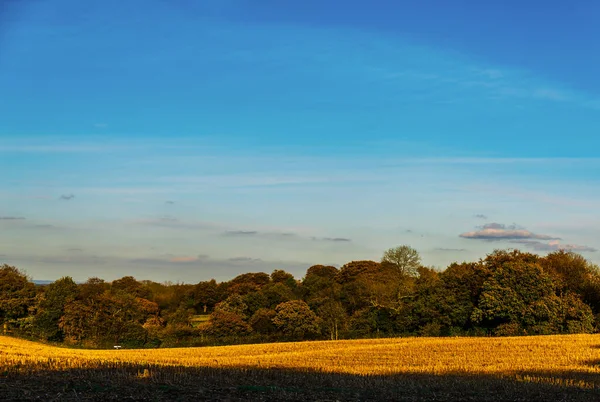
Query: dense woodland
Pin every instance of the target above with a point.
(506, 293)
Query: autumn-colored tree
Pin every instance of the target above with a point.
(108, 317)
(323, 271)
(296, 320)
(320, 284)
(92, 288)
(80, 321)
(227, 323)
(246, 283)
(285, 278)
(130, 285)
(352, 270)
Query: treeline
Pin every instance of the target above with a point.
(505, 293)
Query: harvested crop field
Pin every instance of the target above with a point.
(478, 369)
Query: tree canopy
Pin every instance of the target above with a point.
(405, 259)
(508, 292)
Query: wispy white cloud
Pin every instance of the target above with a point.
(497, 231)
(554, 245)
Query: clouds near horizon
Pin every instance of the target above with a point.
(493, 232)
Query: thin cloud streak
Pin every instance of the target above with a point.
(554, 246)
(496, 232)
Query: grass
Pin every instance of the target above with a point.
(199, 319)
(490, 369)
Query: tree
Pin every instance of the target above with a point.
(262, 321)
(92, 288)
(227, 323)
(441, 300)
(250, 282)
(17, 294)
(233, 304)
(206, 295)
(277, 293)
(519, 298)
(573, 273)
(79, 321)
(280, 276)
(51, 307)
(324, 271)
(108, 317)
(333, 316)
(405, 259)
(352, 270)
(319, 284)
(296, 320)
(130, 285)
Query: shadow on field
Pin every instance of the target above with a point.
(147, 382)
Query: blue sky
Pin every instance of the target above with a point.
(180, 140)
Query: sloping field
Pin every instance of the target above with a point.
(523, 368)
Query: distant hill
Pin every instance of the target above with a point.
(41, 282)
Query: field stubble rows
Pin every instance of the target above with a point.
(400, 368)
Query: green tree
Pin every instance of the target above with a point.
(573, 273)
(441, 301)
(206, 294)
(17, 294)
(233, 304)
(405, 259)
(520, 297)
(277, 293)
(51, 307)
(333, 318)
(107, 318)
(373, 320)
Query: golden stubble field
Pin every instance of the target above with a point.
(560, 364)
